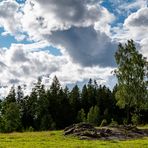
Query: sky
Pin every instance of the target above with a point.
(72, 39)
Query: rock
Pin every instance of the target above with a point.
(105, 132)
(69, 130)
(128, 127)
(87, 131)
(82, 130)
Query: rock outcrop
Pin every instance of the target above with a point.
(87, 131)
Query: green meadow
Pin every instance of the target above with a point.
(56, 139)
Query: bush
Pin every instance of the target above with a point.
(113, 123)
(30, 129)
(53, 126)
(103, 123)
(135, 119)
(125, 121)
(11, 118)
(81, 117)
(93, 115)
(47, 123)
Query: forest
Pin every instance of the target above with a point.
(57, 107)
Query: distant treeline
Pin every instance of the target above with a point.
(57, 107)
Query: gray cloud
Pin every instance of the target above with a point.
(2, 65)
(86, 46)
(26, 70)
(73, 11)
(14, 81)
(7, 5)
(138, 19)
(19, 56)
(10, 17)
(72, 24)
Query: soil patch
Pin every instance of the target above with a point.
(87, 131)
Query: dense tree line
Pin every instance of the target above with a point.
(56, 107)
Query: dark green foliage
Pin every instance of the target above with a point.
(106, 103)
(11, 118)
(19, 94)
(91, 89)
(84, 99)
(135, 119)
(47, 122)
(11, 96)
(1, 121)
(26, 113)
(63, 111)
(89, 95)
(74, 100)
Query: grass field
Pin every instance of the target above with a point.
(55, 139)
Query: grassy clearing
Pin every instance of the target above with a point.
(55, 139)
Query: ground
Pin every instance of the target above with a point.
(56, 139)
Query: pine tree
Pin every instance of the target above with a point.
(55, 86)
(91, 93)
(74, 99)
(11, 97)
(84, 99)
(19, 94)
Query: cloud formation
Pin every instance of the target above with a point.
(54, 15)
(138, 19)
(64, 23)
(75, 26)
(85, 45)
(137, 26)
(134, 27)
(10, 19)
(83, 30)
(71, 12)
(23, 65)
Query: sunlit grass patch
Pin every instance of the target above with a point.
(56, 139)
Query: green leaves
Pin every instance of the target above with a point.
(11, 118)
(132, 76)
(93, 115)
